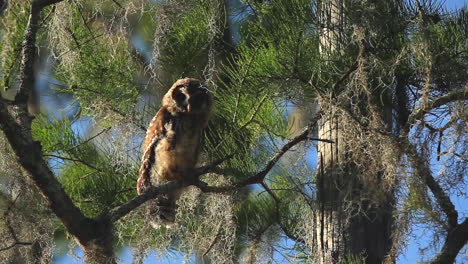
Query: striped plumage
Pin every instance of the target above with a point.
(173, 140)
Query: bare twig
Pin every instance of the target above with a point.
(321, 140)
(251, 119)
(74, 160)
(216, 238)
(118, 4)
(461, 157)
(89, 139)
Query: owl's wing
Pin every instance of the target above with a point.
(154, 134)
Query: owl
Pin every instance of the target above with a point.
(173, 141)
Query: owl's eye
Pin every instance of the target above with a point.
(179, 97)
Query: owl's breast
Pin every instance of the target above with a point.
(177, 153)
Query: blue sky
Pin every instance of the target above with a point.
(454, 4)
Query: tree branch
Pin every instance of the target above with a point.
(278, 215)
(422, 169)
(456, 239)
(29, 155)
(73, 160)
(152, 192)
(15, 123)
(28, 52)
(419, 112)
(260, 176)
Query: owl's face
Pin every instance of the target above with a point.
(188, 96)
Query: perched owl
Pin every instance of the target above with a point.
(173, 141)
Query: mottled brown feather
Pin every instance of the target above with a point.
(155, 132)
(174, 137)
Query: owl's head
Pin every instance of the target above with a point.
(188, 96)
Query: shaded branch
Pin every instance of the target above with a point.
(15, 123)
(29, 155)
(43, 3)
(346, 75)
(423, 170)
(419, 112)
(278, 215)
(456, 239)
(153, 191)
(28, 52)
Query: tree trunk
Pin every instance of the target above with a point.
(349, 226)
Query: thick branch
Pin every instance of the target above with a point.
(150, 193)
(422, 169)
(29, 155)
(456, 239)
(419, 112)
(154, 191)
(28, 52)
(16, 125)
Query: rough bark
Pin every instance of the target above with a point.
(364, 228)
(456, 239)
(15, 122)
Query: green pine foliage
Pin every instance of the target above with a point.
(88, 174)
(95, 64)
(278, 62)
(13, 25)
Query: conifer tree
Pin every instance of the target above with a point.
(338, 126)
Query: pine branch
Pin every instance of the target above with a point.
(419, 112)
(423, 171)
(15, 123)
(259, 176)
(456, 239)
(154, 191)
